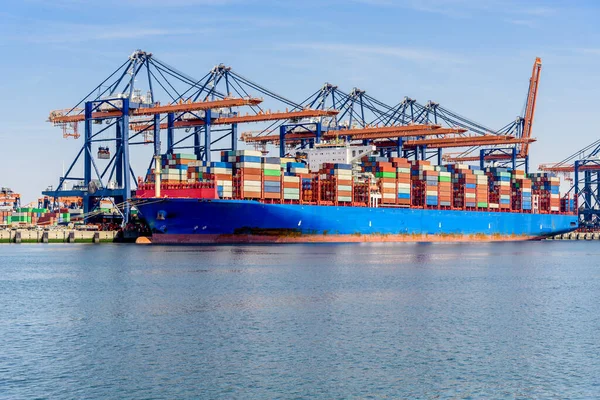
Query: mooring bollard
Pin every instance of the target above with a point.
(17, 237)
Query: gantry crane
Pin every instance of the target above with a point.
(361, 117)
(585, 166)
(520, 128)
(117, 113)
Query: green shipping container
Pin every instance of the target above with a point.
(385, 175)
(272, 172)
(484, 205)
(444, 179)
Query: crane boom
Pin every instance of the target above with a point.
(260, 117)
(530, 106)
(373, 132)
(180, 107)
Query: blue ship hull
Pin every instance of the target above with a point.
(208, 221)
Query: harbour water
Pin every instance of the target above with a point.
(497, 320)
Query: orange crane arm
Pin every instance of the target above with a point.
(556, 168)
(531, 102)
(197, 106)
(491, 140)
(183, 107)
(136, 126)
(383, 132)
(490, 157)
(408, 133)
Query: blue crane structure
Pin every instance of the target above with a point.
(124, 111)
(118, 113)
(585, 190)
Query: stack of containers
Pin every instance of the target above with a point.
(22, 215)
(194, 171)
(402, 166)
(222, 174)
(431, 187)
(297, 168)
(308, 193)
(464, 186)
(248, 167)
(444, 187)
(343, 179)
(521, 192)
(291, 183)
(305, 179)
(338, 182)
(499, 180)
(567, 205)
(271, 171)
(546, 186)
(385, 173)
(420, 189)
(554, 189)
(47, 219)
(3, 216)
(174, 167)
(482, 190)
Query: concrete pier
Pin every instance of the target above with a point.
(56, 236)
(577, 236)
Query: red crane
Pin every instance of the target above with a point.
(527, 121)
(534, 82)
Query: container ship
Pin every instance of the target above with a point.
(346, 194)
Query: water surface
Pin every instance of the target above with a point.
(499, 320)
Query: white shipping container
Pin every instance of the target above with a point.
(248, 183)
(345, 188)
(299, 170)
(294, 179)
(389, 185)
(339, 172)
(253, 153)
(271, 166)
(470, 195)
(221, 170)
(248, 165)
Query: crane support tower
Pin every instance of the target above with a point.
(584, 164)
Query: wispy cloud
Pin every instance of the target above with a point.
(73, 33)
(363, 50)
(591, 51)
(466, 8)
(523, 22)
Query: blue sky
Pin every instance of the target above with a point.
(474, 57)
